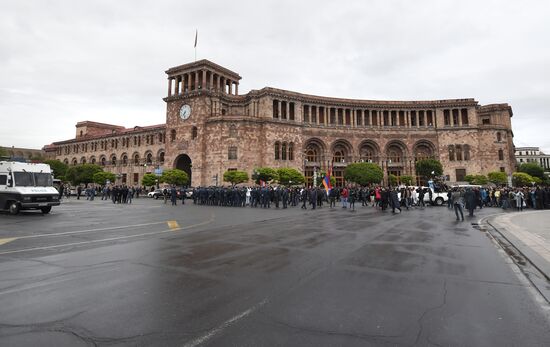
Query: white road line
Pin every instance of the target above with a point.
(88, 230)
(103, 240)
(202, 339)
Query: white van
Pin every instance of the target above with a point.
(26, 186)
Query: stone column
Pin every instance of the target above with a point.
(203, 79)
(236, 88)
(169, 86)
(196, 80)
(230, 87)
(211, 84)
(279, 111)
(189, 82)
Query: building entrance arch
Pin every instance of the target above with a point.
(183, 162)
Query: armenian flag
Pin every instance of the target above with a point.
(326, 180)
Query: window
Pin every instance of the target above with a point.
(451, 153)
(485, 121)
(500, 154)
(233, 131)
(413, 118)
(136, 159)
(277, 150)
(291, 111)
(460, 175)
(455, 117)
(502, 169)
(172, 135)
(338, 157)
(194, 131)
(291, 151)
(466, 152)
(446, 117)
(464, 116)
(3, 180)
(311, 155)
(276, 108)
(161, 157)
(149, 159)
(430, 119)
(458, 152)
(499, 137)
(283, 151)
(232, 153)
(103, 161)
(125, 160)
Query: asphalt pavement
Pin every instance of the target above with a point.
(150, 274)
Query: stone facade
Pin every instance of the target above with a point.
(210, 128)
(128, 153)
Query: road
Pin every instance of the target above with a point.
(94, 273)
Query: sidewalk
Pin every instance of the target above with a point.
(529, 232)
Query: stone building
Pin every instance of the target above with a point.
(128, 153)
(211, 128)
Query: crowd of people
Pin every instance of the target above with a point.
(396, 198)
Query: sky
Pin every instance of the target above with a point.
(65, 61)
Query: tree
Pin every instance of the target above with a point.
(289, 176)
(497, 177)
(174, 176)
(83, 173)
(476, 179)
(3, 152)
(406, 180)
(533, 169)
(102, 177)
(59, 168)
(149, 180)
(521, 179)
(235, 177)
(364, 173)
(265, 174)
(392, 179)
(429, 168)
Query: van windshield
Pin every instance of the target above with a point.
(32, 179)
(23, 179)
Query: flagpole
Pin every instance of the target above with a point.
(196, 36)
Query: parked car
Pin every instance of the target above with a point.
(156, 194)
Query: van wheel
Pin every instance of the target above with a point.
(14, 208)
(46, 210)
(439, 201)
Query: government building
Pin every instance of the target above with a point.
(211, 128)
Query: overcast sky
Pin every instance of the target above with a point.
(62, 62)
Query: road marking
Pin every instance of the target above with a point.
(7, 240)
(224, 325)
(107, 239)
(88, 230)
(172, 224)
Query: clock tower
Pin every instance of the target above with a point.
(198, 93)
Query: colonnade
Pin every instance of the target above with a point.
(201, 79)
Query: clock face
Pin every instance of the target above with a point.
(185, 111)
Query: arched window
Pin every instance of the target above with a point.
(194, 132)
(451, 153)
(312, 155)
(161, 157)
(93, 161)
(291, 151)
(75, 161)
(149, 159)
(395, 154)
(500, 154)
(125, 160)
(367, 153)
(499, 137)
(277, 150)
(338, 156)
(172, 135)
(83, 160)
(232, 153)
(136, 159)
(66, 161)
(103, 161)
(113, 160)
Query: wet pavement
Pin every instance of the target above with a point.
(93, 273)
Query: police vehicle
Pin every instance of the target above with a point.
(26, 186)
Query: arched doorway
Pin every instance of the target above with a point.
(183, 162)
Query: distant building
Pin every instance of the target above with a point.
(532, 155)
(17, 153)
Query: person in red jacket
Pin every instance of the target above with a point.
(345, 195)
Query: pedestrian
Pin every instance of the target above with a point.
(344, 195)
(394, 201)
(470, 201)
(458, 202)
(173, 195)
(519, 199)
